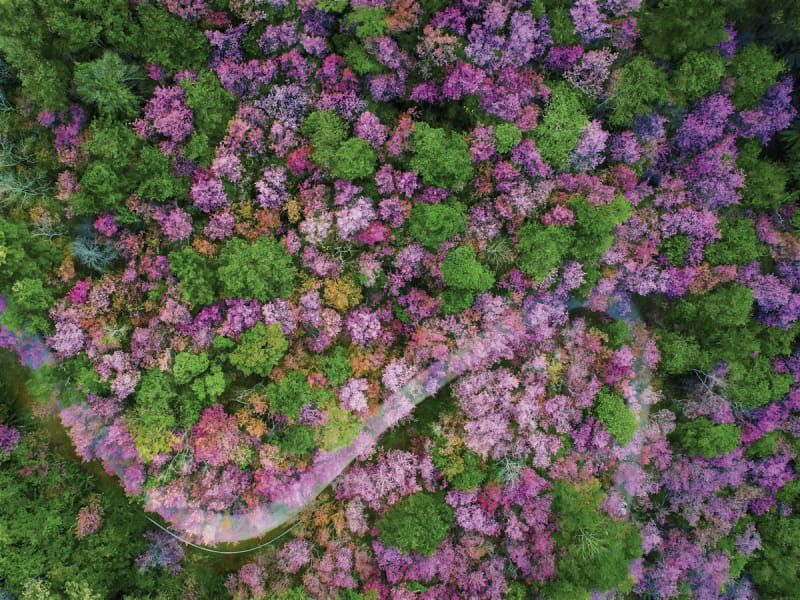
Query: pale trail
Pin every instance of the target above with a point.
(505, 340)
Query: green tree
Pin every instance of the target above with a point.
(432, 224)
(507, 135)
(259, 349)
(297, 439)
(108, 83)
(751, 382)
(675, 248)
(27, 308)
(153, 413)
(23, 254)
(541, 248)
(327, 131)
(187, 366)
(677, 27)
(464, 277)
(594, 550)
(153, 172)
(188, 48)
(212, 104)
(355, 159)
(562, 123)
(640, 85)
(336, 367)
(369, 21)
(292, 392)
(775, 568)
(441, 158)
(755, 69)
(701, 436)
(261, 270)
(196, 276)
(765, 180)
(617, 419)
(103, 188)
(112, 142)
(418, 523)
(739, 244)
(698, 75)
(680, 353)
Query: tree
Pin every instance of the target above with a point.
(153, 172)
(153, 413)
(293, 392)
(27, 308)
(327, 131)
(755, 69)
(441, 158)
(261, 270)
(774, 567)
(196, 276)
(541, 249)
(187, 366)
(617, 419)
(259, 349)
(297, 439)
(188, 48)
(698, 75)
(765, 180)
(23, 254)
(417, 523)
(677, 27)
(701, 436)
(432, 224)
(355, 159)
(751, 382)
(596, 550)
(562, 124)
(107, 83)
(507, 135)
(464, 276)
(739, 244)
(213, 106)
(336, 366)
(112, 142)
(640, 84)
